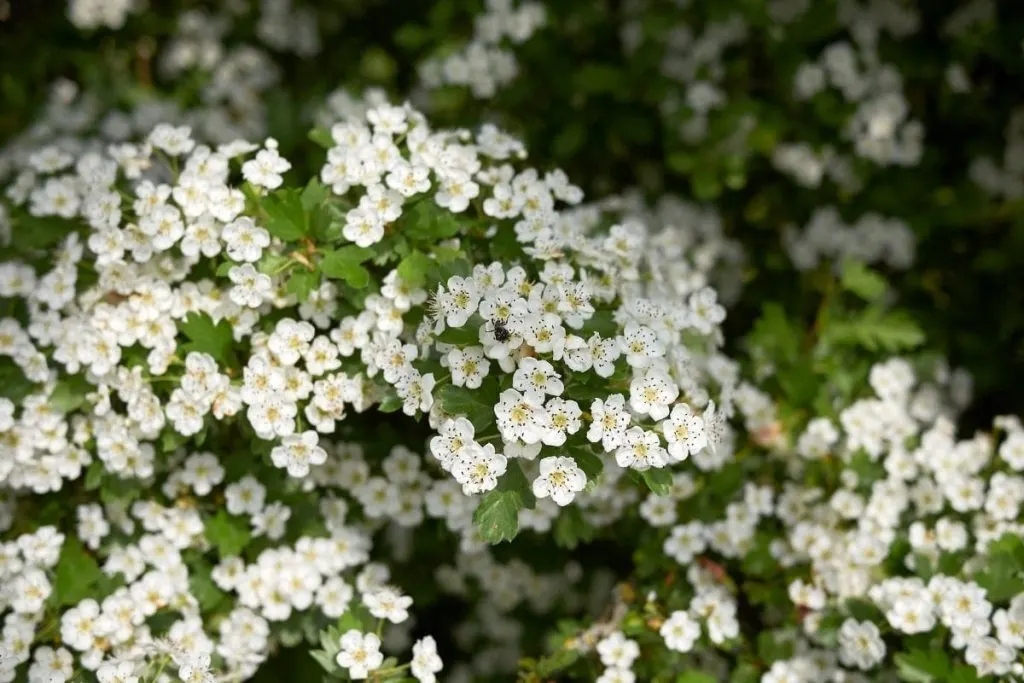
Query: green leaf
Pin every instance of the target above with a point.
(377, 65)
(772, 647)
(228, 534)
(497, 516)
(355, 618)
(171, 440)
(328, 639)
(658, 480)
(286, 217)
(476, 404)
(799, 383)
(682, 162)
(758, 560)
(290, 637)
(923, 566)
(313, 195)
(39, 232)
(76, 574)
(515, 481)
(447, 254)
(571, 529)
(270, 263)
(587, 460)
(119, 492)
(599, 78)
(94, 475)
(1002, 576)
(391, 403)
(411, 37)
(876, 330)
(504, 245)
(695, 677)
(415, 268)
(964, 674)
(569, 141)
(302, 282)
(322, 137)
(602, 322)
(344, 264)
(324, 660)
(207, 337)
(774, 334)
(467, 335)
(858, 279)
(745, 673)
(559, 661)
(13, 383)
(922, 666)
(209, 596)
(426, 222)
(705, 184)
(69, 394)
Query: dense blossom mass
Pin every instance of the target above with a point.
(402, 399)
(176, 249)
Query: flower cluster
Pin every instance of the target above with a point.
(265, 395)
(484, 64)
(181, 311)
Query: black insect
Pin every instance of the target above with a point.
(500, 330)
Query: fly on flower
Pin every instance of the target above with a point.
(499, 328)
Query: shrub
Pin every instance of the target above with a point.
(386, 401)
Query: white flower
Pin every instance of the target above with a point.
(51, 666)
(989, 656)
(453, 442)
(565, 419)
(251, 288)
(298, 452)
(641, 450)
(652, 394)
(641, 345)
(202, 472)
(538, 377)
(29, 591)
(363, 226)
(560, 478)
(860, 644)
(386, 603)
(245, 241)
(360, 654)
(616, 675)
(425, 660)
(705, 312)
(121, 672)
(684, 432)
(618, 651)
(272, 416)
(266, 169)
(176, 141)
(680, 632)
(469, 366)
(459, 301)
(521, 417)
(911, 614)
(246, 496)
(290, 340)
(478, 470)
(609, 422)
(334, 597)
